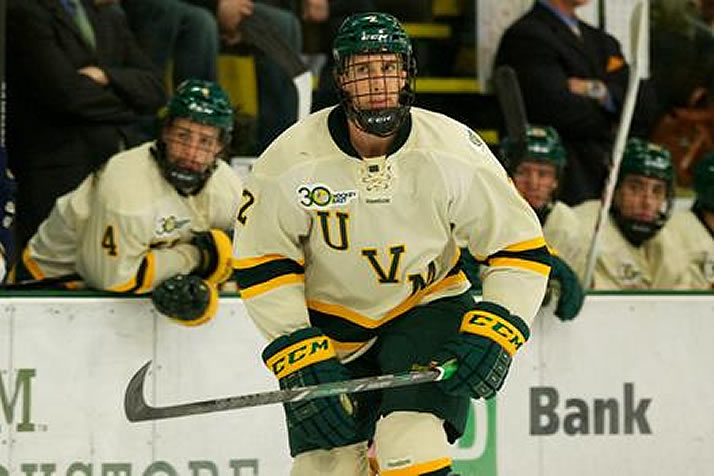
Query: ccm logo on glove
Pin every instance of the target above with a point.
(495, 328)
(300, 355)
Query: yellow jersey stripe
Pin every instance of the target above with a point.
(247, 263)
(368, 323)
(539, 268)
(32, 265)
(122, 288)
(527, 245)
(262, 288)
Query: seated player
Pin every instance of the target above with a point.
(695, 229)
(153, 215)
(635, 252)
(536, 173)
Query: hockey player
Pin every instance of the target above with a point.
(347, 241)
(695, 229)
(536, 175)
(154, 214)
(635, 252)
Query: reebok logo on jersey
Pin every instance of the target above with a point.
(169, 224)
(320, 196)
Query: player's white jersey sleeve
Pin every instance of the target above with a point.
(564, 232)
(52, 250)
(502, 232)
(696, 244)
(270, 260)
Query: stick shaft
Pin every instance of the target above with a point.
(41, 283)
(639, 26)
(510, 99)
(137, 409)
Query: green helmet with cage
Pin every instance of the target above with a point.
(202, 102)
(543, 144)
(374, 33)
(644, 158)
(704, 183)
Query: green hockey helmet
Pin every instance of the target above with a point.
(543, 144)
(202, 102)
(650, 160)
(368, 33)
(704, 182)
(645, 158)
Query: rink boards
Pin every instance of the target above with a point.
(624, 389)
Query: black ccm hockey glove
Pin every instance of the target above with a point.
(216, 265)
(188, 299)
(488, 338)
(306, 357)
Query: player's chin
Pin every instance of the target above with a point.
(193, 167)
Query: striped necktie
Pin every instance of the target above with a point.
(79, 15)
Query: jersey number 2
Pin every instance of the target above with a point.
(248, 200)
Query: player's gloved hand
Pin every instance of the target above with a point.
(216, 249)
(488, 338)
(307, 357)
(189, 299)
(571, 295)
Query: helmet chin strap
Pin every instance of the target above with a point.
(185, 181)
(379, 122)
(636, 231)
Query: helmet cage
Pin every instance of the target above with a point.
(373, 36)
(648, 160)
(201, 102)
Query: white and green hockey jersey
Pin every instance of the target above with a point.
(126, 229)
(656, 264)
(347, 244)
(696, 243)
(565, 233)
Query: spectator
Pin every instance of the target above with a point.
(75, 92)
(152, 212)
(176, 30)
(573, 77)
(537, 175)
(635, 252)
(695, 228)
(321, 19)
(190, 32)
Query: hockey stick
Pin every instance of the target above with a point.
(508, 92)
(137, 409)
(44, 283)
(638, 29)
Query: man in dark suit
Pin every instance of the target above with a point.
(77, 84)
(573, 77)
